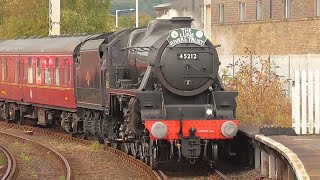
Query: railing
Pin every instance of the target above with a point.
(306, 102)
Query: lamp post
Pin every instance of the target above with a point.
(117, 15)
(137, 13)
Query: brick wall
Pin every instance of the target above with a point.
(271, 37)
(299, 34)
(299, 9)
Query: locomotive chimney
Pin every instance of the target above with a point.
(181, 22)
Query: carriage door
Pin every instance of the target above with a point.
(22, 77)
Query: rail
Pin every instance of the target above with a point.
(62, 159)
(68, 138)
(11, 165)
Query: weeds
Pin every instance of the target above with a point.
(261, 98)
(97, 146)
(2, 160)
(25, 158)
(62, 178)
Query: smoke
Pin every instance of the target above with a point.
(170, 14)
(175, 13)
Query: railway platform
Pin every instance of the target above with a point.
(307, 148)
(281, 154)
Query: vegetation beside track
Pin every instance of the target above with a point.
(262, 99)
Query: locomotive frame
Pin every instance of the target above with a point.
(126, 88)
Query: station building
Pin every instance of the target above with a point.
(264, 26)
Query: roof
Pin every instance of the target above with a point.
(63, 45)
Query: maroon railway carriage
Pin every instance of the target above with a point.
(37, 72)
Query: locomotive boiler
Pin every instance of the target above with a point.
(154, 92)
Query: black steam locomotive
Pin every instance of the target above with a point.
(155, 92)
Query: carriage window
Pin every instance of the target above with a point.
(2, 69)
(67, 72)
(16, 69)
(47, 73)
(30, 71)
(38, 71)
(57, 72)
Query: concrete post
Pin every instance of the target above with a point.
(272, 166)
(264, 163)
(257, 158)
(54, 17)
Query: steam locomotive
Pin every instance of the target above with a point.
(154, 92)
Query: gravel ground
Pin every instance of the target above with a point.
(90, 162)
(33, 163)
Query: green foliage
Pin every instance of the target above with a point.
(20, 18)
(86, 16)
(261, 99)
(23, 18)
(130, 21)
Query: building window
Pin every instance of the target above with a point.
(47, 73)
(259, 10)
(221, 12)
(270, 13)
(16, 70)
(38, 71)
(287, 8)
(30, 71)
(318, 7)
(57, 72)
(242, 11)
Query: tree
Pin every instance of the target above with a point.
(19, 18)
(130, 21)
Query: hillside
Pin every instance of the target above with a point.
(145, 5)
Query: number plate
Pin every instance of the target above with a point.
(188, 56)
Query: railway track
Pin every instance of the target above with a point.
(57, 155)
(11, 165)
(160, 175)
(64, 137)
(220, 174)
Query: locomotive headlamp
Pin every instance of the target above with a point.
(159, 130)
(229, 129)
(209, 111)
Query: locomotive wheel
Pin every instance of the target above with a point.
(214, 147)
(126, 148)
(146, 153)
(133, 149)
(140, 151)
(153, 149)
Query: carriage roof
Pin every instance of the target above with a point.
(64, 45)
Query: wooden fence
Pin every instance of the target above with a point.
(306, 102)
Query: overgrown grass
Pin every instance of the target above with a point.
(261, 99)
(96, 146)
